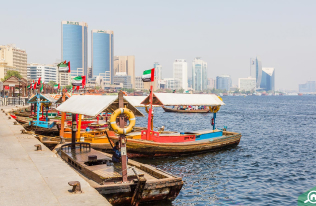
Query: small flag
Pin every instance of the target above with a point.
(56, 86)
(78, 87)
(29, 86)
(39, 81)
(42, 88)
(34, 86)
(148, 75)
(79, 81)
(64, 67)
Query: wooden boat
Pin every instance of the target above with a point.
(127, 182)
(154, 148)
(185, 111)
(164, 143)
(144, 182)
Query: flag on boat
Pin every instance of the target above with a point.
(34, 86)
(39, 81)
(56, 86)
(64, 67)
(148, 75)
(79, 81)
(42, 87)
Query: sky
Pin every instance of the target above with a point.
(224, 33)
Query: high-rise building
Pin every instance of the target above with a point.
(122, 77)
(199, 74)
(308, 87)
(90, 75)
(180, 73)
(139, 84)
(12, 58)
(125, 64)
(210, 83)
(46, 72)
(171, 83)
(256, 70)
(102, 50)
(158, 70)
(223, 82)
(267, 79)
(247, 84)
(74, 46)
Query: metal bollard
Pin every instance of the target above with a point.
(76, 187)
(38, 147)
(9, 117)
(15, 123)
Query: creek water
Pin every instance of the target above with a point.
(273, 164)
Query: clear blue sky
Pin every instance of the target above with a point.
(224, 33)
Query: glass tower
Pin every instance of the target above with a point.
(102, 53)
(267, 80)
(223, 82)
(74, 46)
(199, 74)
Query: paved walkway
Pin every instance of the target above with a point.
(29, 177)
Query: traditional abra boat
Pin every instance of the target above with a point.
(128, 183)
(163, 143)
(185, 110)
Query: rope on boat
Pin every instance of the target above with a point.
(109, 139)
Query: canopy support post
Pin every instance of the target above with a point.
(62, 124)
(214, 117)
(150, 113)
(74, 131)
(79, 126)
(123, 139)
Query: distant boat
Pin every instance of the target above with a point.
(185, 111)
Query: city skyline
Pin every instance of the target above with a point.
(227, 50)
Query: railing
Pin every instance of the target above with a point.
(82, 145)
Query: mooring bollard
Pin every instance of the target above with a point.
(15, 123)
(76, 187)
(9, 117)
(23, 131)
(38, 147)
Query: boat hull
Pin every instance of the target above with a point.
(139, 146)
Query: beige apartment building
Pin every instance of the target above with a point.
(12, 58)
(125, 64)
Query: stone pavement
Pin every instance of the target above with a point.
(29, 177)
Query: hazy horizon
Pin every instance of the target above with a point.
(225, 34)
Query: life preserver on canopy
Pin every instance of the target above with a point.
(131, 118)
(215, 109)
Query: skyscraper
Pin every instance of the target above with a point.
(256, 70)
(102, 47)
(180, 73)
(223, 82)
(12, 58)
(267, 79)
(308, 87)
(158, 71)
(74, 46)
(199, 74)
(125, 64)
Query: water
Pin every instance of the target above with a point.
(273, 164)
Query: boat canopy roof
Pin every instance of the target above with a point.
(172, 99)
(92, 105)
(137, 100)
(43, 98)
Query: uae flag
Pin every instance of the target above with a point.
(56, 86)
(64, 67)
(79, 81)
(29, 86)
(148, 75)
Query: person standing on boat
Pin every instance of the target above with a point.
(116, 158)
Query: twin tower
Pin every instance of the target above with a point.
(74, 48)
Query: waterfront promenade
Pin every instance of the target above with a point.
(30, 177)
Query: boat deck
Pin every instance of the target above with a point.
(103, 170)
